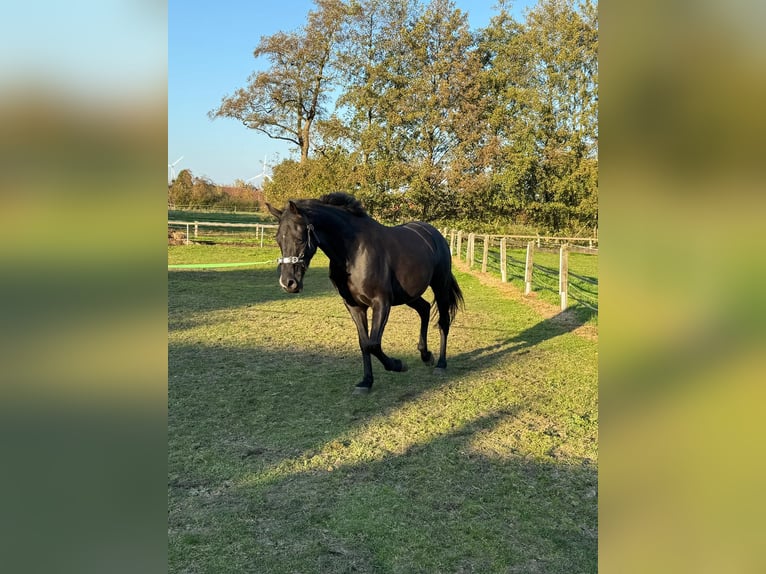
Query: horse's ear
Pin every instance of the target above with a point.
(293, 207)
(274, 211)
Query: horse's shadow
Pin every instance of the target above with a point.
(560, 324)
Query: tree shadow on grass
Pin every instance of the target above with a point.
(231, 290)
(278, 400)
(443, 505)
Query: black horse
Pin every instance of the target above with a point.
(371, 266)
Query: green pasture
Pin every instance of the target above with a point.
(219, 216)
(276, 467)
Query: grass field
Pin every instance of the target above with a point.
(274, 466)
(219, 216)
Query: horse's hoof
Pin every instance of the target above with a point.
(429, 360)
(404, 367)
(440, 372)
(359, 390)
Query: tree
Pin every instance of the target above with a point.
(189, 191)
(563, 46)
(410, 77)
(180, 191)
(443, 71)
(508, 150)
(284, 101)
(311, 178)
(371, 65)
(204, 192)
(544, 78)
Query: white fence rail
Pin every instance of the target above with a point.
(259, 227)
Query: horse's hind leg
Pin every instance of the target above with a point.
(442, 304)
(424, 310)
(380, 312)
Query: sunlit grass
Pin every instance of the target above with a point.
(276, 466)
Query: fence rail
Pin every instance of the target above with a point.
(212, 209)
(259, 227)
(222, 224)
(539, 239)
(578, 287)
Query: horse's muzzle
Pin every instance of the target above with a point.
(291, 286)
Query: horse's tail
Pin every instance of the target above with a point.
(455, 297)
(451, 295)
(449, 292)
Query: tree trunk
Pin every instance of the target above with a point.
(304, 142)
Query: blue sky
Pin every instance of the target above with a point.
(210, 55)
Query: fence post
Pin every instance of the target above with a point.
(471, 245)
(459, 244)
(528, 268)
(195, 229)
(452, 242)
(503, 256)
(468, 248)
(187, 235)
(538, 241)
(485, 255)
(564, 275)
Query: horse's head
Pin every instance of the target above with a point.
(298, 242)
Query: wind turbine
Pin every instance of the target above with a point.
(262, 174)
(172, 168)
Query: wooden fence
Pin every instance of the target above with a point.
(259, 227)
(564, 245)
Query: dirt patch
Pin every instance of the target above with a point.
(176, 237)
(546, 310)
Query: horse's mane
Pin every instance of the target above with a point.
(344, 201)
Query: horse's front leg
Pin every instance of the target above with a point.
(359, 315)
(380, 312)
